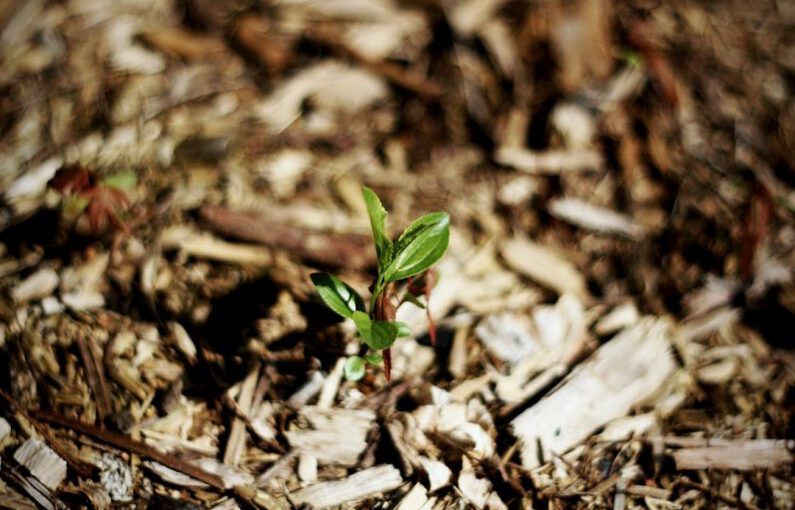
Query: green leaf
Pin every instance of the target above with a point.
(125, 181)
(354, 368)
(419, 247)
(376, 334)
(403, 329)
(338, 295)
(632, 58)
(377, 213)
(374, 359)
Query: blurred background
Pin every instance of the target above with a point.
(172, 171)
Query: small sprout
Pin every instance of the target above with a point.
(408, 260)
(102, 201)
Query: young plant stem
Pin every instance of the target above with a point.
(384, 309)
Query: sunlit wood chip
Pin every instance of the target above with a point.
(622, 373)
(597, 219)
(549, 162)
(206, 246)
(467, 16)
(416, 499)
(508, 337)
(42, 462)
(741, 455)
(333, 85)
(439, 474)
(5, 428)
(718, 373)
(618, 318)
(34, 181)
(183, 342)
(366, 483)
(629, 426)
(337, 436)
(36, 286)
(479, 491)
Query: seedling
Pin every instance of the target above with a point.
(101, 200)
(407, 259)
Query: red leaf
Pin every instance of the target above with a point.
(71, 180)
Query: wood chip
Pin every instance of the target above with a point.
(42, 462)
(742, 455)
(323, 440)
(363, 484)
(507, 336)
(720, 372)
(34, 489)
(183, 342)
(307, 468)
(467, 16)
(40, 284)
(5, 429)
(619, 375)
(232, 477)
(629, 426)
(479, 491)
(236, 443)
(34, 181)
(116, 477)
(133, 446)
(543, 265)
(549, 162)
(173, 476)
(206, 246)
(353, 89)
(180, 42)
(617, 319)
(597, 219)
(342, 250)
(306, 392)
(439, 475)
(416, 498)
(331, 385)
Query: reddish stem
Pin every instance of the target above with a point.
(385, 310)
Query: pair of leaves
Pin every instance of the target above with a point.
(420, 246)
(344, 300)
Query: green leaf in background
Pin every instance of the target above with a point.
(125, 181)
(403, 329)
(377, 213)
(632, 58)
(338, 295)
(374, 359)
(354, 368)
(376, 334)
(420, 246)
